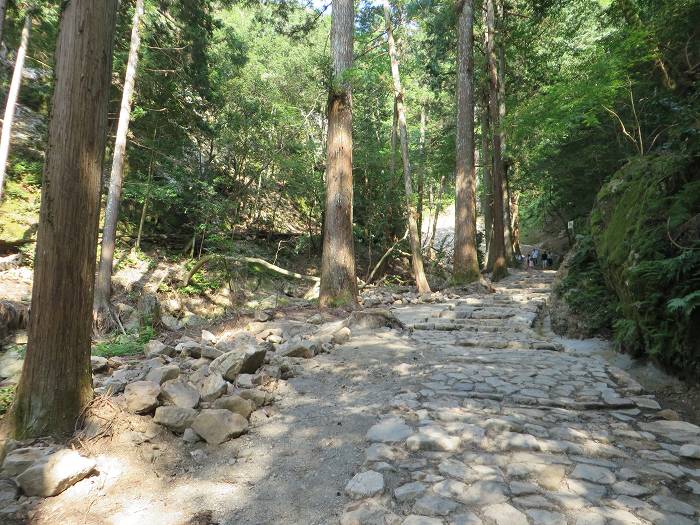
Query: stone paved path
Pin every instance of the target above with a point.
(499, 425)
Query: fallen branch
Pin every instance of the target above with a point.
(250, 260)
(382, 259)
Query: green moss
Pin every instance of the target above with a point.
(7, 396)
(646, 204)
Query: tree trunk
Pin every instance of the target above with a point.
(413, 233)
(486, 170)
(498, 267)
(146, 197)
(466, 263)
(430, 247)
(338, 281)
(3, 10)
(12, 95)
(421, 174)
(56, 379)
(515, 221)
(507, 233)
(103, 290)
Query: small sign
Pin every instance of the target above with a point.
(571, 225)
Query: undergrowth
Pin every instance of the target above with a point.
(124, 344)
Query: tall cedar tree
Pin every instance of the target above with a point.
(103, 289)
(56, 379)
(413, 233)
(497, 249)
(466, 263)
(338, 281)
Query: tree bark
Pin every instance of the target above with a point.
(56, 379)
(338, 280)
(3, 11)
(430, 247)
(12, 95)
(413, 233)
(421, 174)
(142, 220)
(507, 232)
(486, 171)
(498, 267)
(515, 221)
(103, 290)
(466, 263)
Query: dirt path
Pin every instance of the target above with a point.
(470, 417)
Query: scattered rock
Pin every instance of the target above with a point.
(218, 425)
(60, 471)
(154, 348)
(228, 364)
(175, 418)
(180, 393)
(20, 459)
(373, 318)
(98, 363)
(690, 451)
(161, 374)
(213, 387)
(236, 404)
(141, 396)
(9, 491)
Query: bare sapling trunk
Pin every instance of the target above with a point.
(413, 233)
(515, 221)
(147, 196)
(466, 262)
(486, 172)
(338, 281)
(56, 382)
(421, 173)
(103, 291)
(430, 247)
(498, 259)
(12, 95)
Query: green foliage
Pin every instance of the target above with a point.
(649, 252)
(7, 396)
(584, 290)
(124, 344)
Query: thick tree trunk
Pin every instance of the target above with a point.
(507, 233)
(338, 281)
(413, 233)
(12, 95)
(103, 290)
(56, 379)
(466, 263)
(498, 267)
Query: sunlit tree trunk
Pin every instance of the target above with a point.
(413, 233)
(12, 95)
(498, 267)
(486, 170)
(56, 379)
(466, 263)
(103, 290)
(507, 232)
(338, 282)
(515, 220)
(421, 173)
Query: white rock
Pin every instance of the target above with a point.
(595, 474)
(56, 474)
(365, 484)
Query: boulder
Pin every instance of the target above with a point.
(180, 393)
(98, 363)
(60, 471)
(175, 418)
(259, 397)
(209, 352)
(236, 404)
(298, 348)
(141, 396)
(9, 492)
(18, 460)
(373, 318)
(161, 374)
(218, 425)
(254, 358)
(189, 348)
(171, 323)
(154, 348)
(213, 387)
(208, 337)
(342, 336)
(228, 364)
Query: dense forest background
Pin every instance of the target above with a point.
(226, 146)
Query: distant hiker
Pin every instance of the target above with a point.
(535, 254)
(530, 261)
(545, 260)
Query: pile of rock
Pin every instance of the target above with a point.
(208, 388)
(382, 296)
